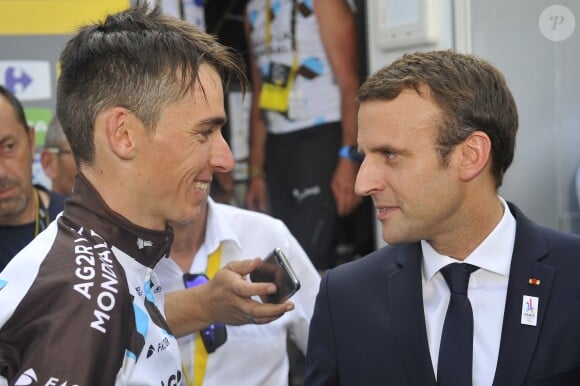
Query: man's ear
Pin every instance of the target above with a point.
(120, 132)
(49, 164)
(475, 155)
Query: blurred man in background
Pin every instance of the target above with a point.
(25, 209)
(57, 159)
(222, 234)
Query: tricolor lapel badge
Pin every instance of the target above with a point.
(530, 310)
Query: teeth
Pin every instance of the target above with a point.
(201, 185)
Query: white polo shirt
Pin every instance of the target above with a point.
(253, 354)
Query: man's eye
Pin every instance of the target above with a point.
(390, 155)
(207, 133)
(203, 135)
(8, 147)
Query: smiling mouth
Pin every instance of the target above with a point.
(201, 185)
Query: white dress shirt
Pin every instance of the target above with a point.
(253, 354)
(487, 293)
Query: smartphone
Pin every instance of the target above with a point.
(276, 269)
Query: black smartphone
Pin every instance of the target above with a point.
(276, 269)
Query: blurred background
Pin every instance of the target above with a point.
(535, 43)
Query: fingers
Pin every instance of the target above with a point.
(345, 199)
(243, 267)
(251, 202)
(250, 311)
(256, 195)
(244, 288)
(342, 186)
(234, 274)
(265, 313)
(234, 299)
(348, 203)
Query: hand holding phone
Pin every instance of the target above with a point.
(276, 269)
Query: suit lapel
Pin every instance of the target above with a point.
(518, 341)
(406, 309)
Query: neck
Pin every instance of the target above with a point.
(117, 190)
(477, 223)
(188, 240)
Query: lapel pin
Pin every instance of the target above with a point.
(530, 310)
(534, 281)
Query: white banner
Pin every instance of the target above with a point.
(29, 80)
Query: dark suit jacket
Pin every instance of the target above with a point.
(368, 326)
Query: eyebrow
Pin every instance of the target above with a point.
(7, 137)
(389, 148)
(213, 122)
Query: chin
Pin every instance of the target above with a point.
(396, 238)
(189, 216)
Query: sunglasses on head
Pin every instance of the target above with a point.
(215, 334)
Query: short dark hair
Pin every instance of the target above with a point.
(472, 93)
(140, 59)
(17, 106)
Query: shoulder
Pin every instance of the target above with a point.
(529, 231)
(561, 245)
(257, 233)
(56, 202)
(54, 294)
(554, 247)
(243, 217)
(378, 265)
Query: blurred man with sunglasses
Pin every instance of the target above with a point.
(241, 355)
(57, 159)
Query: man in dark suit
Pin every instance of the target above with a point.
(438, 133)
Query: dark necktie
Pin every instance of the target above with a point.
(456, 349)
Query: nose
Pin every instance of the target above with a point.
(221, 158)
(367, 180)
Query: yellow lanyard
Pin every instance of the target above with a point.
(41, 215)
(200, 353)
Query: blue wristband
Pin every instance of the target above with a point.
(351, 153)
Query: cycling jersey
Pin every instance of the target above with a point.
(81, 304)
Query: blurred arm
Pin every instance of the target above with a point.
(256, 193)
(339, 40)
